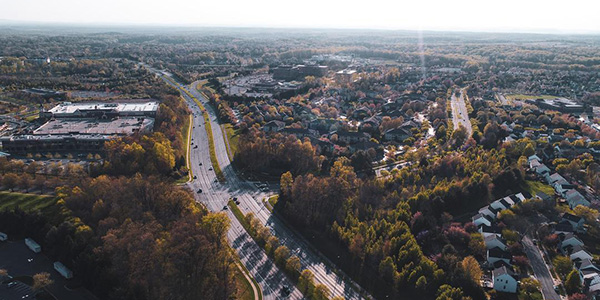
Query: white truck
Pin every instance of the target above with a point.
(35, 247)
(64, 271)
(3, 237)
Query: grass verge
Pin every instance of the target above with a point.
(208, 127)
(233, 138)
(187, 133)
(244, 287)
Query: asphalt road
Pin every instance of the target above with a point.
(215, 196)
(540, 269)
(460, 115)
(250, 198)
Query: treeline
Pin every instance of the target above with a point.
(276, 154)
(133, 238)
(396, 235)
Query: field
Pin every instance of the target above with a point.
(27, 202)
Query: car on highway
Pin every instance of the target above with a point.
(199, 191)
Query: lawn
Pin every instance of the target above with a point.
(233, 138)
(244, 289)
(27, 202)
(533, 187)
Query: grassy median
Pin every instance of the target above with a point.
(211, 142)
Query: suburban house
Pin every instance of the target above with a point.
(579, 254)
(568, 243)
(488, 211)
(273, 126)
(575, 221)
(562, 228)
(574, 198)
(300, 133)
(552, 179)
(351, 136)
(504, 280)
(481, 219)
(397, 134)
(490, 230)
(500, 205)
(492, 241)
(496, 255)
(589, 274)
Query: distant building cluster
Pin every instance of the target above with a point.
(83, 127)
(559, 104)
(299, 71)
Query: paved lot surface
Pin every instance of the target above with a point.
(15, 258)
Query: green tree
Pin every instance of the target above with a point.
(447, 292)
(529, 150)
(529, 288)
(281, 255)
(293, 265)
(573, 282)
(321, 292)
(306, 282)
(562, 265)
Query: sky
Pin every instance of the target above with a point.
(548, 16)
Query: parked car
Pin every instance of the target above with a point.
(199, 191)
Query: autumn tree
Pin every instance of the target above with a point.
(472, 269)
(41, 280)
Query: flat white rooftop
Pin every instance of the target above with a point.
(71, 108)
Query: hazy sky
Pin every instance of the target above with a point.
(476, 15)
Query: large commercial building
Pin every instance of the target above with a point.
(83, 127)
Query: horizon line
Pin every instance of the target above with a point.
(499, 30)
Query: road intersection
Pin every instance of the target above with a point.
(215, 195)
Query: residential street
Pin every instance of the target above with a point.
(540, 269)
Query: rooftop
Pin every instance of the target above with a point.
(119, 126)
(71, 108)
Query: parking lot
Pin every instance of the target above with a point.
(18, 260)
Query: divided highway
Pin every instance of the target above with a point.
(215, 195)
(460, 116)
(251, 201)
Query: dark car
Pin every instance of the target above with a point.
(225, 207)
(199, 191)
(195, 177)
(285, 290)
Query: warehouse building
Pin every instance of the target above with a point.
(83, 127)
